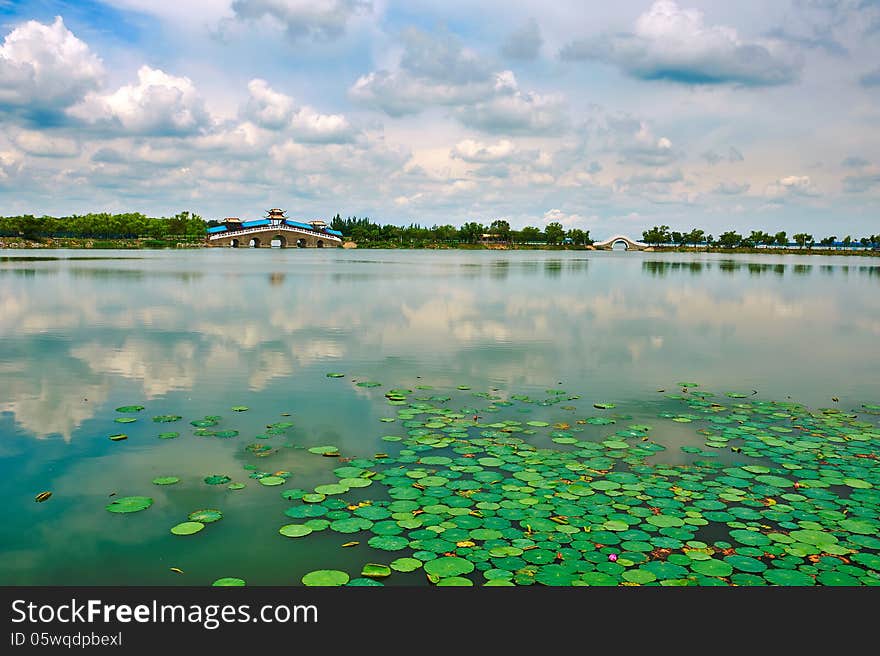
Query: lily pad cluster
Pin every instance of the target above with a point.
(779, 495)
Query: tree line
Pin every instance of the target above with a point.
(365, 232)
(130, 225)
(663, 236)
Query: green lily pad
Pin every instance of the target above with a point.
(376, 571)
(129, 504)
(187, 528)
(165, 480)
(325, 578)
(205, 515)
(294, 530)
(130, 408)
(217, 479)
(229, 582)
(448, 566)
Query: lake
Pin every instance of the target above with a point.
(517, 337)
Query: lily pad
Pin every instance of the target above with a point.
(165, 480)
(187, 528)
(129, 504)
(325, 578)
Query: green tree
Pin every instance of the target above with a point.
(780, 238)
(579, 237)
(471, 232)
(730, 239)
(554, 233)
(802, 239)
(694, 237)
(501, 228)
(657, 235)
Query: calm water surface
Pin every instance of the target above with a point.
(194, 333)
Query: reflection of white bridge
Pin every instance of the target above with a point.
(630, 244)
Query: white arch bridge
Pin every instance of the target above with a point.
(630, 244)
(262, 236)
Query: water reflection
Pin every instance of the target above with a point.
(515, 319)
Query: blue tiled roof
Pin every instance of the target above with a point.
(297, 224)
(254, 224)
(216, 229)
(334, 232)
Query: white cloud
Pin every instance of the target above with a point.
(273, 110)
(567, 219)
(159, 104)
(45, 67)
(632, 139)
(41, 144)
(317, 19)
(482, 153)
(791, 185)
(672, 43)
(436, 70)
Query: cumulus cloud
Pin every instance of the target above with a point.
(675, 44)
(316, 19)
(436, 70)
(791, 185)
(567, 219)
(632, 139)
(158, 104)
(524, 43)
(45, 68)
(473, 151)
(42, 144)
(273, 110)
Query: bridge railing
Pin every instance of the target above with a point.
(284, 228)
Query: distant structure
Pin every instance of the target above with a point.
(629, 244)
(275, 226)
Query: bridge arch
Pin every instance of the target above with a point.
(281, 239)
(300, 243)
(233, 243)
(319, 243)
(631, 244)
(255, 242)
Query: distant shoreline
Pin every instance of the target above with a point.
(13, 243)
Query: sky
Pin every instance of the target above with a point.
(609, 117)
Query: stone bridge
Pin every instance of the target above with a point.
(263, 236)
(630, 244)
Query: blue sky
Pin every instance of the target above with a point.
(611, 117)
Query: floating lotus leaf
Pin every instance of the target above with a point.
(369, 383)
(321, 450)
(294, 530)
(165, 480)
(130, 408)
(217, 479)
(350, 525)
(712, 567)
(325, 578)
(376, 571)
(205, 516)
(166, 419)
(229, 582)
(388, 542)
(226, 433)
(448, 566)
(332, 488)
(236, 486)
(129, 504)
(125, 420)
(170, 435)
(406, 564)
(335, 375)
(270, 481)
(604, 406)
(240, 408)
(187, 528)
(454, 581)
(354, 482)
(118, 437)
(788, 577)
